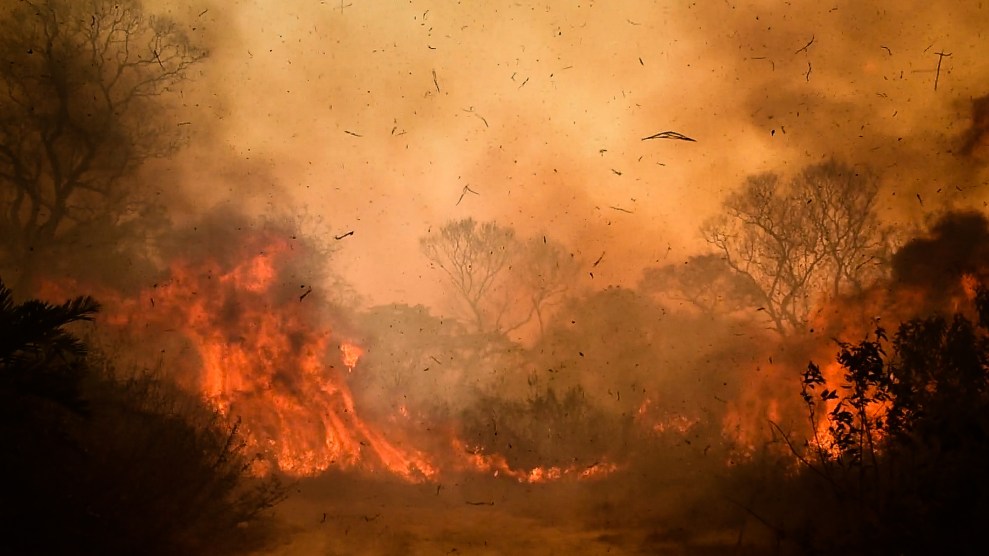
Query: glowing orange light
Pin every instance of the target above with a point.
(262, 356)
(350, 354)
(254, 352)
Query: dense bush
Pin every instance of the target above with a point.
(104, 464)
(898, 463)
(545, 429)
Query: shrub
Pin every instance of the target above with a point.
(98, 463)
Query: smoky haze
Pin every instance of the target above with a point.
(539, 108)
(536, 277)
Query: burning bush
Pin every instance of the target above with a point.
(901, 444)
(102, 464)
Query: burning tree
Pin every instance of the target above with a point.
(84, 92)
(795, 242)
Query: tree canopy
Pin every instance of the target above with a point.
(803, 240)
(85, 96)
(503, 282)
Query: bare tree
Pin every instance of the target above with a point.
(502, 281)
(473, 256)
(546, 272)
(83, 89)
(841, 203)
(812, 237)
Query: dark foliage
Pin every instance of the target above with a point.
(105, 465)
(38, 358)
(899, 465)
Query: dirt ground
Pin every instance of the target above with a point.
(340, 515)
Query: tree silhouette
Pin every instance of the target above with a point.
(503, 282)
(546, 272)
(38, 357)
(813, 237)
(473, 257)
(83, 97)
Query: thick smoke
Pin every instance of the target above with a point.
(351, 130)
(958, 244)
(975, 139)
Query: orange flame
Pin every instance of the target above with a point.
(255, 350)
(351, 353)
(264, 357)
(497, 466)
(770, 394)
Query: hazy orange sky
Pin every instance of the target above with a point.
(374, 116)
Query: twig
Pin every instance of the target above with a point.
(807, 75)
(620, 209)
(669, 135)
(338, 238)
(599, 260)
(799, 457)
(764, 58)
(471, 111)
(352, 133)
(465, 191)
(806, 46)
(776, 529)
(937, 75)
(435, 82)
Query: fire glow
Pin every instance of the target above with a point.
(266, 357)
(269, 358)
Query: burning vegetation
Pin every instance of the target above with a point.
(190, 364)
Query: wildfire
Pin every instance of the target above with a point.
(251, 347)
(648, 415)
(497, 466)
(768, 406)
(262, 355)
(245, 341)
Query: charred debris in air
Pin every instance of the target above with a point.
(670, 135)
(464, 192)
